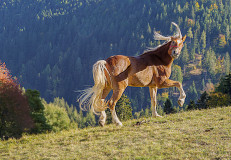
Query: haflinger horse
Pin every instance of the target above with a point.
(151, 69)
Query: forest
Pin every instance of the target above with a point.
(51, 46)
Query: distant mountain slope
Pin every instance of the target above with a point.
(199, 134)
(52, 45)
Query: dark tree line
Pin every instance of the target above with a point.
(51, 45)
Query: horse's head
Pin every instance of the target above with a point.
(176, 46)
(176, 42)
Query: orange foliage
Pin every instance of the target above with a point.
(209, 88)
(190, 22)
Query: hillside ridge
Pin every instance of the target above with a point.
(199, 134)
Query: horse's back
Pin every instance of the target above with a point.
(132, 70)
(118, 64)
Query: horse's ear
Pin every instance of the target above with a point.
(183, 39)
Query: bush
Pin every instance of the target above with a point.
(218, 99)
(57, 117)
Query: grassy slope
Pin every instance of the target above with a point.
(204, 134)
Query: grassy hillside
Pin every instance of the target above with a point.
(204, 134)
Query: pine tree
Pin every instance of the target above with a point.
(185, 56)
(227, 33)
(192, 105)
(123, 108)
(168, 107)
(193, 92)
(190, 34)
(227, 63)
(90, 119)
(149, 30)
(203, 39)
(37, 111)
(203, 101)
(203, 84)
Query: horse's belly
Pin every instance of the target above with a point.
(140, 79)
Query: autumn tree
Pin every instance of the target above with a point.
(222, 41)
(14, 108)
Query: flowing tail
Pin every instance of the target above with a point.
(90, 98)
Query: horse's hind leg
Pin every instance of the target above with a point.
(103, 116)
(117, 93)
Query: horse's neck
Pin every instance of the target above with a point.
(162, 55)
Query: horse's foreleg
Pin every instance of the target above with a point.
(170, 83)
(103, 116)
(112, 103)
(153, 92)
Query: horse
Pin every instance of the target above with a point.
(151, 69)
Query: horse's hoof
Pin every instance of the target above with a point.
(157, 115)
(101, 123)
(119, 124)
(180, 102)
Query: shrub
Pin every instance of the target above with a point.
(218, 99)
(57, 117)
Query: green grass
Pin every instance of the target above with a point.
(204, 134)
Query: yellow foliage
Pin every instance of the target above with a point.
(213, 7)
(164, 94)
(222, 40)
(197, 6)
(218, 99)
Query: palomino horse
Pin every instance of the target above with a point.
(151, 69)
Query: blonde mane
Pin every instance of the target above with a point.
(167, 39)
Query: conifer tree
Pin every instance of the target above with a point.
(90, 119)
(37, 111)
(203, 39)
(168, 107)
(192, 105)
(185, 56)
(227, 63)
(123, 108)
(203, 101)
